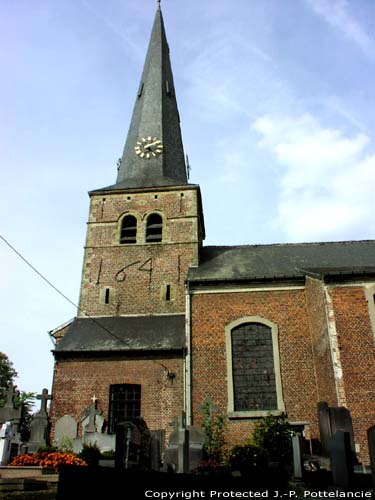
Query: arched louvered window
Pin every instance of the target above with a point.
(128, 230)
(154, 228)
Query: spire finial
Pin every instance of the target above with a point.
(159, 1)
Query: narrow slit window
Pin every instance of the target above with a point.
(168, 293)
(154, 228)
(106, 296)
(128, 234)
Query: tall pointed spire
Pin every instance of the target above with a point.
(153, 153)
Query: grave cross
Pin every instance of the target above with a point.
(90, 427)
(10, 394)
(44, 397)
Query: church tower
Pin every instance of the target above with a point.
(127, 344)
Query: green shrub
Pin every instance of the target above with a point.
(65, 445)
(47, 449)
(272, 435)
(214, 426)
(247, 458)
(90, 454)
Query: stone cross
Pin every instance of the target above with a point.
(90, 427)
(44, 397)
(10, 393)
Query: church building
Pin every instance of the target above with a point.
(164, 322)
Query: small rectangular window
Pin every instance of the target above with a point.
(168, 293)
(106, 296)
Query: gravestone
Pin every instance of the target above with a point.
(185, 447)
(332, 420)
(92, 420)
(128, 446)
(341, 460)
(93, 430)
(10, 442)
(6, 435)
(39, 424)
(90, 426)
(298, 446)
(371, 449)
(66, 428)
(8, 412)
(157, 440)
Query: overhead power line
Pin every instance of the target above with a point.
(59, 292)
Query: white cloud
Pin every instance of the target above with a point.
(326, 178)
(336, 13)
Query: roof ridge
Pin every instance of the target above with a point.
(320, 243)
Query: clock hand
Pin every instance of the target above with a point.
(148, 146)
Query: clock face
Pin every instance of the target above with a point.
(148, 147)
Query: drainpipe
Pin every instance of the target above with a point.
(187, 370)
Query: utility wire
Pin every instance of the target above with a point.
(59, 292)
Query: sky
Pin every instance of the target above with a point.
(276, 99)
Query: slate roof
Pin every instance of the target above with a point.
(258, 262)
(119, 333)
(155, 115)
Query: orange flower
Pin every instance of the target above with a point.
(46, 459)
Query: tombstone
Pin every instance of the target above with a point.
(5, 442)
(341, 460)
(66, 428)
(39, 424)
(92, 420)
(157, 440)
(185, 447)
(332, 420)
(297, 445)
(8, 412)
(196, 440)
(93, 424)
(10, 442)
(371, 449)
(90, 427)
(128, 446)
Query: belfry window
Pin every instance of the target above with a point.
(253, 368)
(128, 230)
(124, 404)
(154, 228)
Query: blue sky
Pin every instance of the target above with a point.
(276, 100)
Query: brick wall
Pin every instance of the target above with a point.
(287, 309)
(357, 354)
(133, 279)
(137, 274)
(77, 380)
(317, 314)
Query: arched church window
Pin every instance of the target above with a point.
(154, 228)
(253, 368)
(128, 230)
